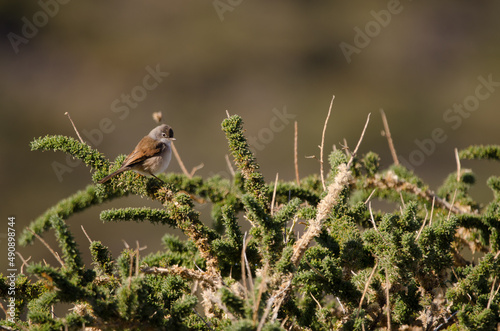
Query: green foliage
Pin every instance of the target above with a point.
(71, 146)
(489, 152)
(317, 259)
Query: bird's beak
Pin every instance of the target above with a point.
(172, 139)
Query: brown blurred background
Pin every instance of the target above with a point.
(271, 62)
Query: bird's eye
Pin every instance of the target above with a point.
(164, 134)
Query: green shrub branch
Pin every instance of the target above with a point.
(314, 260)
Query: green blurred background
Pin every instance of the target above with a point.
(246, 57)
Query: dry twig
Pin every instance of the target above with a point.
(367, 284)
(274, 194)
(74, 127)
(387, 134)
(387, 286)
(359, 142)
(181, 164)
(321, 147)
(86, 235)
(295, 156)
(48, 247)
(229, 166)
(185, 273)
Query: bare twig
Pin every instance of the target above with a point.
(195, 169)
(48, 247)
(245, 267)
(402, 200)
(321, 147)
(181, 164)
(341, 305)
(86, 235)
(25, 261)
(179, 160)
(229, 166)
(432, 210)
(137, 260)
(316, 300)
(262, 288)
(493, 293)
(185, 273)
(367, 284)
(390, 181)
(387, 134)
(370, 196)
(295, 154)
(423, 223)
(74, 127)
(387, 286)
(227, 113)
(274, 194)
(371, 216)
(457, 158)
(452, 204)
(359, 141)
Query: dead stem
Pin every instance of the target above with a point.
(185, 273)
(390, 181)
(74, 127)
(295, 154)
(459, 166)
(387, 286)
(181, 164)
(274, 194)
(48, 247)
(387, 134)
(359, 142)
(367, 284)
(321, 147)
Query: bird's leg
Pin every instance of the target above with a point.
(159, 179)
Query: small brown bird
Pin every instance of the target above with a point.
(151, 156)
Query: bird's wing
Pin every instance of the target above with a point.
(144, 150)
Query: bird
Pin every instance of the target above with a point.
(151, 156)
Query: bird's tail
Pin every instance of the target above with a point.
(108, 177)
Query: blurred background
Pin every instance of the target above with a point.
(110, 64)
